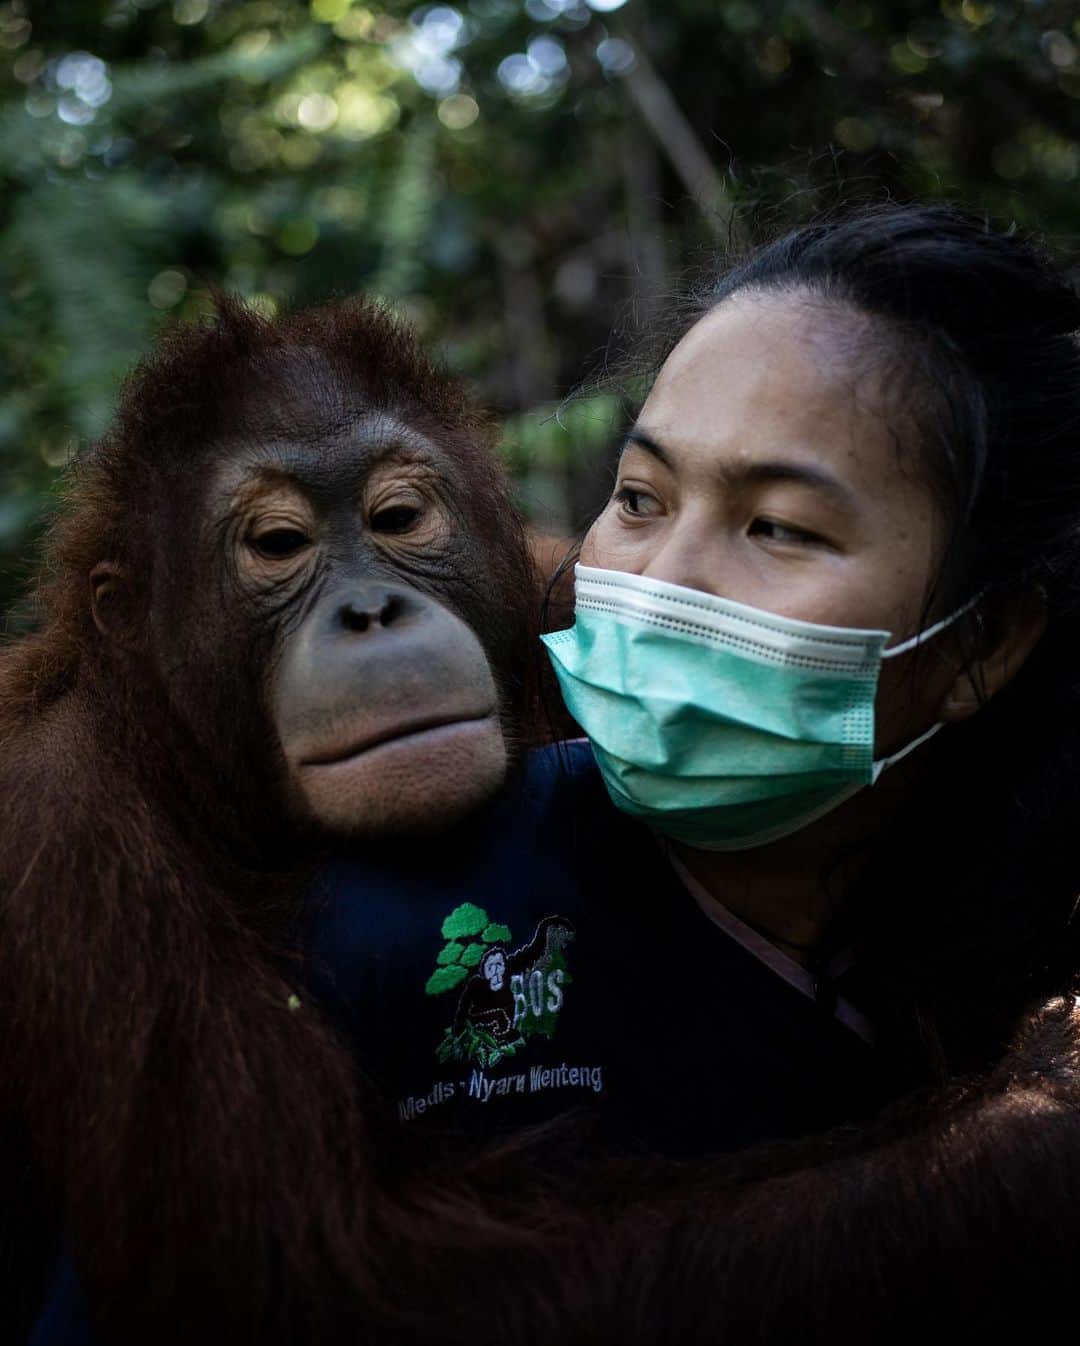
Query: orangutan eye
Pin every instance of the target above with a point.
(280, 542)
(395, 518)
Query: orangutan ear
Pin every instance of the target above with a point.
(111, 602)
(1020, 629)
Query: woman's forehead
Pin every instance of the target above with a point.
(767, 374)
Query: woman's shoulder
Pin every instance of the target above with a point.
(567, 759)
(559, 776)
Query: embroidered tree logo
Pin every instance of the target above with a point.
(506, 996)
(469, 934)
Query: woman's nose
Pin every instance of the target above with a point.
(690, 558)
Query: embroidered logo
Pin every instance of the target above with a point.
(506, 996)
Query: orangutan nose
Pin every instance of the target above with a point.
(372, 608)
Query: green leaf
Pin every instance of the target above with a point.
(451, 1048)
(473, 954)
(495, 933)
(450, 954)
(464, 921)
(445, 979)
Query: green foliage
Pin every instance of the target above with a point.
(512, 199)
(258, 63)
(407, 215)
(473, 1044)
(464, 921)
(445, 979)
(556, 436)
(470, 933)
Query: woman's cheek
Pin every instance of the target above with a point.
(608, 546)
(590, 543)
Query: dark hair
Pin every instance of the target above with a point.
(967, 912)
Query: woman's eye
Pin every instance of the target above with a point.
(637, 504)
(280, 542)
(782, 532)
(395, 518)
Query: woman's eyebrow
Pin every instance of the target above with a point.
(755, 474)
(645, 441)
(801, 474)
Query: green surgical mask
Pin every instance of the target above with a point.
(718, 724)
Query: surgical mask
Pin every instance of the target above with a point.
(722, 726)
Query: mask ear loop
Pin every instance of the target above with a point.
(878, 767)
(885, 762)
(931, 631)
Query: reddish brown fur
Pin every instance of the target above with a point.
(204, 1146)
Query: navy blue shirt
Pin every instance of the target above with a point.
(559, 961)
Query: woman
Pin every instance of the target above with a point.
(860, 455)
(824, 652)
(872, 428)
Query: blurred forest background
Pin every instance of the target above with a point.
(517, 177)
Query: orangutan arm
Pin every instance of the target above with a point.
(963, 1224)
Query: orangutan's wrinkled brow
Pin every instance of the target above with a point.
(338, 463)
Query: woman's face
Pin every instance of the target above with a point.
(763, 468)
